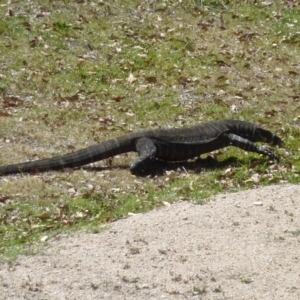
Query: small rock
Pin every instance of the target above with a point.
(44, 238)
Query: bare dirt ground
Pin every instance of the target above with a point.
(244, 245)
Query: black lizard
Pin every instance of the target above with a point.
(175, 144)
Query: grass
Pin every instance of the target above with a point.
(76, 73)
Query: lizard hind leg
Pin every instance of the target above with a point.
(147, 154)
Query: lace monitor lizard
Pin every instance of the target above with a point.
(174, 144)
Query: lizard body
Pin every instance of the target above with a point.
(174, 144)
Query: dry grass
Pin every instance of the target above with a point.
(81, 72)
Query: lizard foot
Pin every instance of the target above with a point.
(268, 152)
(140, 166)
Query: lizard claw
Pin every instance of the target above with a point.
(269, 153)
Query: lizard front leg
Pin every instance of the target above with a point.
(237, 141)
(147, 154)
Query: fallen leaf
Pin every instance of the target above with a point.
(4, 113)
(118, 98)
(151, 79)
(70, 98)
(131, 78)
(11, 101)
(3, 199)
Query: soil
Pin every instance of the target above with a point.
(243, 245)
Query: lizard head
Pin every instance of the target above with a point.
(267, 136)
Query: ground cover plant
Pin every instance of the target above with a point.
(74, 73)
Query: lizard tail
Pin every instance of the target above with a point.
(78, 158)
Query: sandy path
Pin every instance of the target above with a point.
(244, 245)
